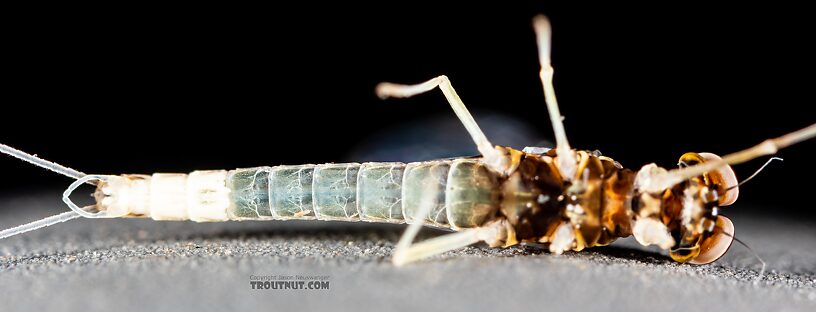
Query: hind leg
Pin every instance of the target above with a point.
(407, 252)
(493, 158)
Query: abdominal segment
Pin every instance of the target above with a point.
(462, 193)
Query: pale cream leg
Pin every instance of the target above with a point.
(436, 245)
(492, 158)
(405, 252)
(659, 181)
(563, 238)
(566, 159)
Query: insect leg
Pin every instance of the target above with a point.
(494, 159)
(426, 204)
(661, 180)
(563, 238)
(407, 252)
(440, 244)
(566, 159)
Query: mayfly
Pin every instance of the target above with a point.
(562, 198)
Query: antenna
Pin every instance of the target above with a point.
(755, 173)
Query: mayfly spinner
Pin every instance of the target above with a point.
(568, 199)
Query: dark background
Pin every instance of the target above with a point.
(141, 90)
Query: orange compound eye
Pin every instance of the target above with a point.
(725, 178)
(716, 245)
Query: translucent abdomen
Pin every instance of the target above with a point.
(462, 193)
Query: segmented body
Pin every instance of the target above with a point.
(462, 192)
(531, 201)
(569, 199)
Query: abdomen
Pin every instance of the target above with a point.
(462, 192)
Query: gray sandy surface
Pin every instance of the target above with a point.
(138, 265)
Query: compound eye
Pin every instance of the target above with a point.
(725, 177)
(716, 245)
